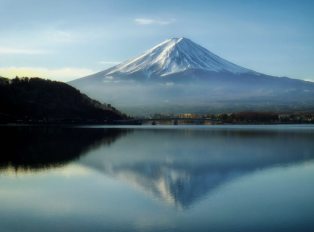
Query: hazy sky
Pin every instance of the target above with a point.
(68, 39)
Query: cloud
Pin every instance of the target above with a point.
(310, 80)
(151, 21)
(64, 74)
(109, 62)
(144, 21)
(67, 36)
(70, 36)
(4, 50)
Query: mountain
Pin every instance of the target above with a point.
(179, 75)
(173, 56)
(38, 99)
(182, 167)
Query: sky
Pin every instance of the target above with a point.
(67, 39)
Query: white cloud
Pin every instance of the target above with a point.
(310, 80)
(64, 74)
(169, 83)
(81, 35)
(4, 50)
(62, 36)
(151, 21)
(144, 21)
(56, 35)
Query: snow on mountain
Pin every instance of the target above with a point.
(176, 55)
(179, 75)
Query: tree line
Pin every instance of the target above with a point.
(37, 98)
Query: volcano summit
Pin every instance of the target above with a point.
(178, 76)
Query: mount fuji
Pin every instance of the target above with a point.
(178, 76)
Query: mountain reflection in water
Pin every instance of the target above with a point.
(176, 166)
(180, 167)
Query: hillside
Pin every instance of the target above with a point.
(38, 99)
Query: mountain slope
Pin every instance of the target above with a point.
(176, 55)
(179, 73)
(169, 57)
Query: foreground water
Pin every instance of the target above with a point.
(157, 178)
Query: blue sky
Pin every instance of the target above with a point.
(69, 39)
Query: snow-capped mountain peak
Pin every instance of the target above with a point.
(179, 75)
(176, 55)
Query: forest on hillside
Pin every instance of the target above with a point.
(39, 99)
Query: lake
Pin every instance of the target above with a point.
(157, 178)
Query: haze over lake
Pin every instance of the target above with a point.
(157, 178)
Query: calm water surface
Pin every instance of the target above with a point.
(157, 178)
